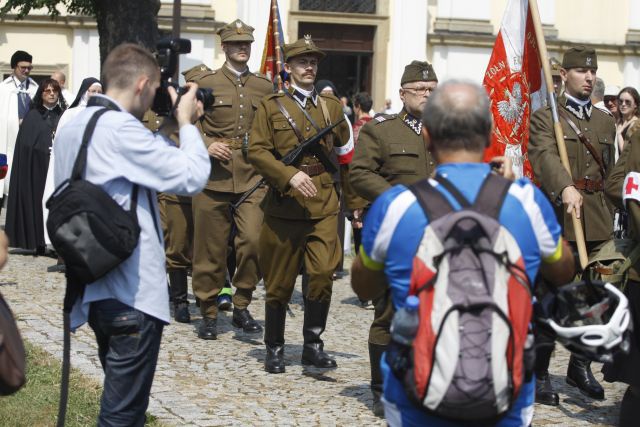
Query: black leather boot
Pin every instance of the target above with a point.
(375, 355)
(579, 375)
(544, 391)
(274, 320)
(178, 290)
(243, 319)
(315, 320)
(208, 329)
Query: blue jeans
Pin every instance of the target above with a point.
(128, 346)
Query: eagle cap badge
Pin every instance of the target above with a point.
(307, 40)
(238, 27)
(425, 74)
(588, 60)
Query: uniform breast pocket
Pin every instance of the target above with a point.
(573, 144)
(284, 137)
(222, 111)
(403, 159)
(606, 148)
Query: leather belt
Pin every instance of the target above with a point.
(233, 143)
(589, 185)
(313, 169)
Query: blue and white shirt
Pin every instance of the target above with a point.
(392, 232)
(122, 152)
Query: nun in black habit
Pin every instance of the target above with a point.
(25, 225)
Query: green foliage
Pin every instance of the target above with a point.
(23, 7)
(36, 404)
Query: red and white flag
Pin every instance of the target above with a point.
(514, 81)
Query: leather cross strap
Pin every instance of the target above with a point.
(584, 140)
(292, 122)
(305, 112)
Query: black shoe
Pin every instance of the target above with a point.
(243, 319)
(579, 375)
(274, 321)
(315, 320)
(544, 391)
(181, 313)
(208, 329)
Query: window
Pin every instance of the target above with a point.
(350, 6)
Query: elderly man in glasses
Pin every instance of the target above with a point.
(390, 151)
(16, 92)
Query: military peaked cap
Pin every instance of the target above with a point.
(304, 46)
(237, 31)
(580, 57)
(418, 71)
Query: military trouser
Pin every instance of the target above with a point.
(177, 226)
(286, 245)
(212, 224)
(379, 333)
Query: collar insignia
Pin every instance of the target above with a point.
(414, 123)
(582, 112)
(302, 98)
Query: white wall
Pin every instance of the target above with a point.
(86, 58)
(464, 9)
(460, 62)
(256, 14)
(202, 51)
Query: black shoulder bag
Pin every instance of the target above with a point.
(91, 232)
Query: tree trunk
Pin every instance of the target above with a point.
(121, 21)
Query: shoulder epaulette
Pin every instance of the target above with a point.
(274, 95)
(381, 117)
(262, 76)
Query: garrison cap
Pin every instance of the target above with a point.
(418, 71)
(236, 31)
(303, 46)
(192, 72)
(20, 56)
(580, 57)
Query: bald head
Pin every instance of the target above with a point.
(458, 118)
(59, 77)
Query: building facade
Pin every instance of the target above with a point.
(368, 41)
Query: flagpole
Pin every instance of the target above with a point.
(276, 42)
(557, 127)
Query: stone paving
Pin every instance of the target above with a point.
(222, 382)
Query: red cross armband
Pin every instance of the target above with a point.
(631, 187)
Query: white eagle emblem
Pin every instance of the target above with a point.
(510, 110)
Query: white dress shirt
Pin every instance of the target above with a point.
(122, 152)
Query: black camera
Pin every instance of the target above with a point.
(167, 57)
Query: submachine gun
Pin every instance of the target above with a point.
(310, 146)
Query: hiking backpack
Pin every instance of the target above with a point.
(467, 361)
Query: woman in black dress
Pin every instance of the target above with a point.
(25, 225)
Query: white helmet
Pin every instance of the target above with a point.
(590, 318)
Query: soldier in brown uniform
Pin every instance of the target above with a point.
(391, 151)
(589, 135)
(623, 190)
(226, 129)
(176, 219)
(301, 207)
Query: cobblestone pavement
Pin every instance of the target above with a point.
(210, 383)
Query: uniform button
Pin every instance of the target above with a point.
(587, 164)
(586, 128)
(241, 106)
(239, 127)
(308, 128)
(241, 95)
(241, 116)
(220, 102)
(239, 84)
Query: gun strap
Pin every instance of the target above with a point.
(292, 122)
(585, 141)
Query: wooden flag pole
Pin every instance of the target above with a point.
(557, 127)
(276, 42)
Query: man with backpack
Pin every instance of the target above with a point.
(507, 230)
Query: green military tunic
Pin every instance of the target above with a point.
(390, 151)
(237, 97)
(297, 230)
(596, 215)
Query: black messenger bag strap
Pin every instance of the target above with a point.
(433, 202)
(81, 158)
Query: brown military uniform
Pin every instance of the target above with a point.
(596, 216)
(297, 230)
(175, 215)
(236, 99)
(390, 151)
